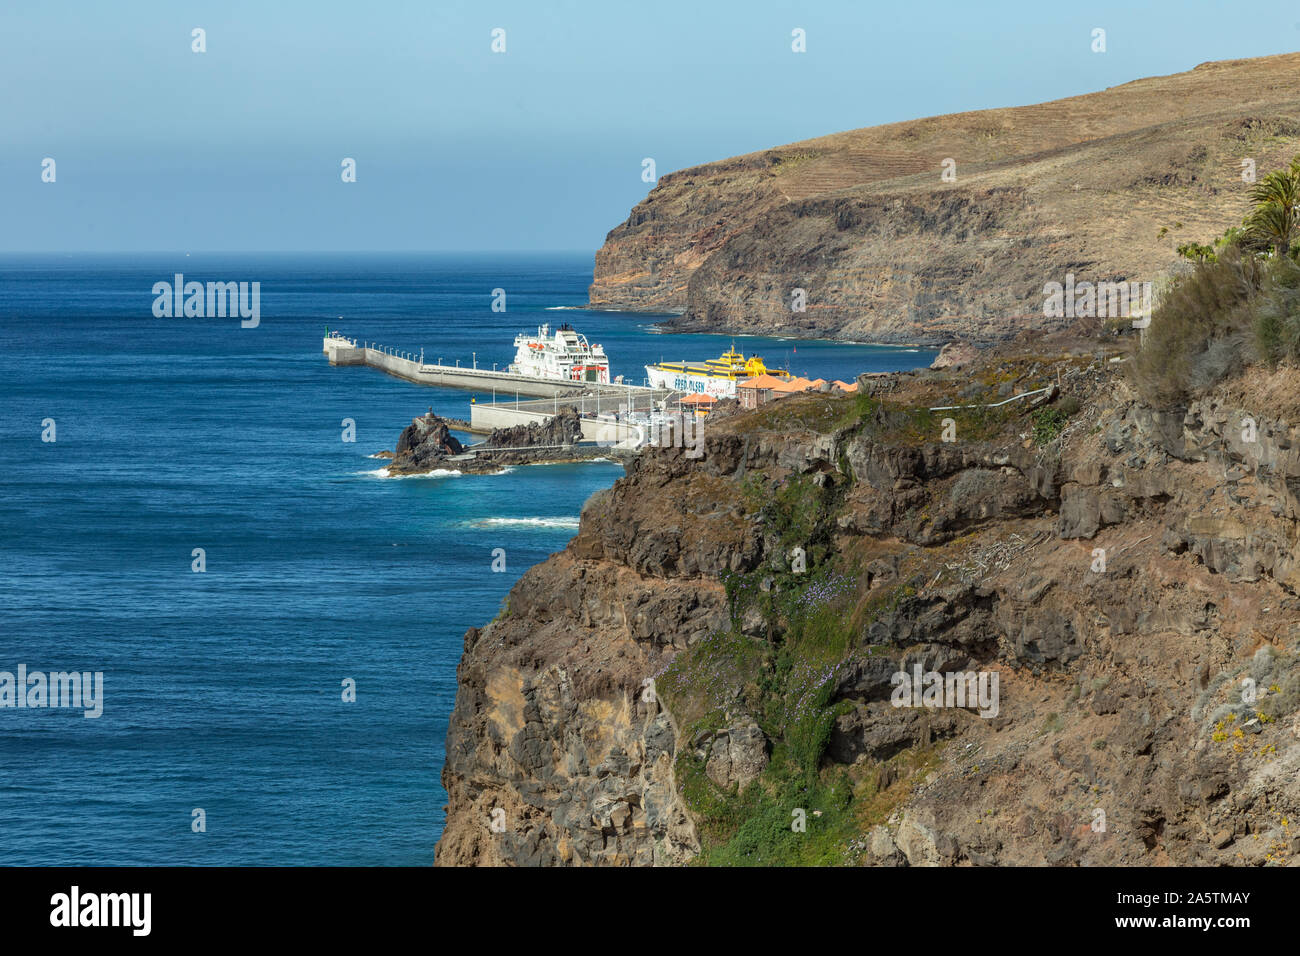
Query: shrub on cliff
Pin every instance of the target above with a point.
(1048, 424)
(1232, 238)
(1277, 320)
(1202, 331)
(1240, 303)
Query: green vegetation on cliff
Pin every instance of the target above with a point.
(1238, 305)
(795, 621)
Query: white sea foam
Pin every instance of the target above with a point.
(526, 522)
(436, 473)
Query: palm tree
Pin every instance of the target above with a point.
(1272, 224)
(1276, 215)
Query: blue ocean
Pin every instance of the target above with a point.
(224, 690)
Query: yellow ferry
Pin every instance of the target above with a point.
(716, 377)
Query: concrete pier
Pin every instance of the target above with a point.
(344, 351)
(598, 401)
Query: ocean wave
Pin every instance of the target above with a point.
(436, 473)
(563, 308)
(525, 523)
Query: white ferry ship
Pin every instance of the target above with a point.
(716, 377)
(564, 355)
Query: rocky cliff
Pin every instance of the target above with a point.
(709, 670)
(886, 249)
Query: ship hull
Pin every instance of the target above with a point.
(689, 382)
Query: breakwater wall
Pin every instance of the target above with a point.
(408, 366)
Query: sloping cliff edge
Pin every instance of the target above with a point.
(949, 226)
(705, 673)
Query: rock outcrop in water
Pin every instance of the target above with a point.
(427, 445)
(712, 660)
(424, 445)
(886, 249)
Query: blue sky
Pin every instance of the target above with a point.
(458, 148)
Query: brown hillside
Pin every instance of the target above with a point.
(1083, 184)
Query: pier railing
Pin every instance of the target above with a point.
(411, 365)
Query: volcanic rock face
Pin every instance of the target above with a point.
(1105, 186)
(564, 428)
(1127, 580)
(556, 720)
(424, 445)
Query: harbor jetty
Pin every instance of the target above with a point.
(411, 366)
(604, 409)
